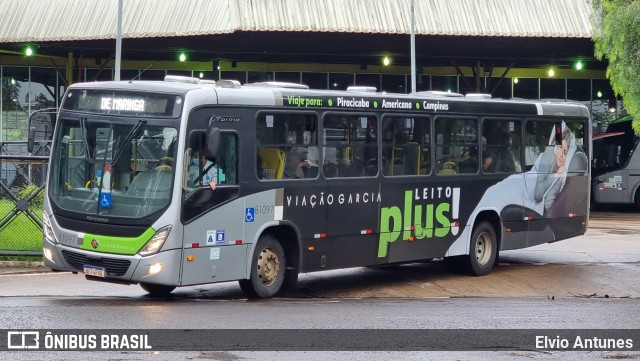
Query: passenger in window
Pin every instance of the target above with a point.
(507, 160)
(312, 158)
(467, 160)
(488, 158)
(296, 159)
(202, 166)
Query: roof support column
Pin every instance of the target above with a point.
(478, 76)
(69, 76)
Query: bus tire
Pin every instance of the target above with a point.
(155, 290)
(268, 267)
(483, 250)
(636, 199)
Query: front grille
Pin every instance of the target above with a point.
(113, 267)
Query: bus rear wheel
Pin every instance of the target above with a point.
(268, 266)
(483, 252)
(155, 290)
(484, 249)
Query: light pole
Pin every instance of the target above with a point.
(116, 76)
(413, 47)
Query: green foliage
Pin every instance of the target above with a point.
(28, 189)
(617, 38)
(9, 94)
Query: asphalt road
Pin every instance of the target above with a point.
(589, 282)
(605, 262)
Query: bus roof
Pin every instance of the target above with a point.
(292, 95)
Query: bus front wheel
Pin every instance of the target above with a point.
(155, 290)
(482, 255)
(268, 267)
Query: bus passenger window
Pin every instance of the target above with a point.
(406, 146)
(284, 141)
(456, 146)
(501, 145)
(351, 148)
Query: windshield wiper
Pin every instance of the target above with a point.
(85, 142)
(121, 147)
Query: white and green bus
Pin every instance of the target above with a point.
(185, 182)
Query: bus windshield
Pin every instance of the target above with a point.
(109, 168)
(612, 149)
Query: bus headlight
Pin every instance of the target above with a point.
(156, 242)
(49, 235)
(48, 254)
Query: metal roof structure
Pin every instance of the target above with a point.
(529, 33)
(70, 20)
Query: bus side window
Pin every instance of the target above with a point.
(501, 146)
(283, 141)
(350, 146)
(406, 146)
(457, 142)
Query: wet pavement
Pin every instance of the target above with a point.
(605, 262)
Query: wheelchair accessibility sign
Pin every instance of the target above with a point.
(105, 200)
(249, 214)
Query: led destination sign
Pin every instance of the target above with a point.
(123, 103)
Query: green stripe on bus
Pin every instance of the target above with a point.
(119, 245)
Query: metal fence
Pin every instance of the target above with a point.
(22, 181)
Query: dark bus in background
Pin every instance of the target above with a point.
(616, 164)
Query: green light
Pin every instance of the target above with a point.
(386, 61)
(579, 65)
(13, 81)
(599, 94)
(28, 51)
(183, 57)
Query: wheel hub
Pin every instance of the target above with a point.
(268, 266)
(483, 249)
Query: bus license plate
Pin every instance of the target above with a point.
(94, 271)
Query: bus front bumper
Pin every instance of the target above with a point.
(162, 268)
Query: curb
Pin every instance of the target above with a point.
(22, 267)
(21, 264)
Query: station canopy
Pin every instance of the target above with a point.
(352, 31)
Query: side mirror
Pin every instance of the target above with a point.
(31, 139)
(212, 143)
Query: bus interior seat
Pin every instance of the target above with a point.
(411, 158)
(158, 181)
(448, 168)
(272, 162)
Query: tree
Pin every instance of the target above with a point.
(10, 92)
(616, 35)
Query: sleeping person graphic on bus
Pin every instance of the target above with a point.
(552, 167)
(542, 189)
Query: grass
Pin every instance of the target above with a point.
(20, 233)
